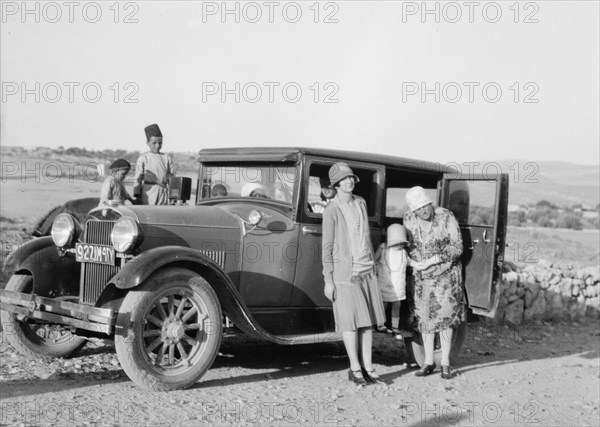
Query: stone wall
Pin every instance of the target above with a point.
(543, 291)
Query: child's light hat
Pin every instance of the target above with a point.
(396, 234)
(416, 198)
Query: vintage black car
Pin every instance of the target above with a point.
(159, 280)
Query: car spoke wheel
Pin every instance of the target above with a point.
(33, 339)
(169, 330)
(175, 329)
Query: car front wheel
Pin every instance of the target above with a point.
(169, 330)
(36, 340)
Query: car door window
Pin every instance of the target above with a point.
(319, 178)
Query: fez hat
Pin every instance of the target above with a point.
(339, 171)
(396, 234)
(152, 130)
(416, 198)
(120, 164)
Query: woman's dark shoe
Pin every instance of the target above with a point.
(372, 377)
(446, 372)
(357, 377)
(425, 370)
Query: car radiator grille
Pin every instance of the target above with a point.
(94, 277)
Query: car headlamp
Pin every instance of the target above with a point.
(254, 217)
(125, 234)
(65, 230)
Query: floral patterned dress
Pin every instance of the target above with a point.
(439, 299)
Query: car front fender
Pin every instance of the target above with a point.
(141, 267)
(17, 257)
(53, 274)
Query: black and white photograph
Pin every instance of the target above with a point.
(300, 213)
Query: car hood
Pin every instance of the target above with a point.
(199, 216)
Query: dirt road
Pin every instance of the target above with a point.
(542, 374)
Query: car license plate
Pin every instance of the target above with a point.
(94, 253)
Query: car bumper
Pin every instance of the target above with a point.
(61, 312)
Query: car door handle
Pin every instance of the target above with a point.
(311, 230)
(475, 243)
(485, 239)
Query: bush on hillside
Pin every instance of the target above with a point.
(569, 220)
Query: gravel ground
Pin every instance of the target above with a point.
(541, 374)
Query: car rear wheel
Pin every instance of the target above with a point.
(169, 330)
(416, 351)
(36, 340)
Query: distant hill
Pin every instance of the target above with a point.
(561, 183)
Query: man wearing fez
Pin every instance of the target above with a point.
(153, 171)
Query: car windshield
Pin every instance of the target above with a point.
(275, 182)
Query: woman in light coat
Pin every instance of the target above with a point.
(350, 280)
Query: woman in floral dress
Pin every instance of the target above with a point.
(438, 287)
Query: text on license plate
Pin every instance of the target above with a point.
(94, 253)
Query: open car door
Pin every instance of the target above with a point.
(479, 203)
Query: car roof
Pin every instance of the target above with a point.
(285, 154)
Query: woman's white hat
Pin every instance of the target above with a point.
(416, 198)
(251, 186)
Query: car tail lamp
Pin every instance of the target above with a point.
(65, 230)
(125, 235)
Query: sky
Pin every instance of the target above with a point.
(440, 81)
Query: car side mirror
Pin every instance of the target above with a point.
(180, 188)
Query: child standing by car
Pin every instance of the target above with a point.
(153, 170)
(391, 260)
(113, 188)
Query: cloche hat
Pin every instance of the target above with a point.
(416, 198)
(339, 171)
(396, 234)
(248, 188)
